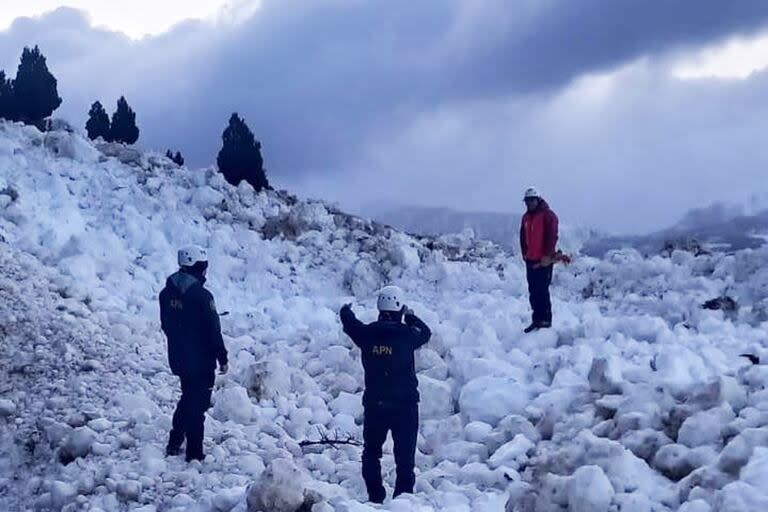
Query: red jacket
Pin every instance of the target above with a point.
(538, 233)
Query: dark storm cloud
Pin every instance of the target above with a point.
(332, 87)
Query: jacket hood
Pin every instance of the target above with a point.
(182, 281)
(543, 207)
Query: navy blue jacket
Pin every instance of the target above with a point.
(387, 348)
(190, 322)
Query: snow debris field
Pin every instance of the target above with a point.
(638, 399)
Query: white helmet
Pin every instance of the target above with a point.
(532, 193)
(192, 254)
(390, 299)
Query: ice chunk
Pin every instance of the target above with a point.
(347, 403)
(589, 490)
(489, 399)
(477, 431)
(705, 427)
(77, 444)
(129, 490)
(279, 489)
(740, 497)
(436, 398)
(268, 379)
(673, 461)
(62, 493)
(605, 376)
(513, 453)
(233, 404)
(100, 424)
(756, 471)
(463, 452)
(310, 216)
(695, 506)
(7, 408)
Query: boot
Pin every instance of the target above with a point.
(535, 326)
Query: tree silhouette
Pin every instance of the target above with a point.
(35, 88)
(124, 127)
(98, 124)
(240, 156)
(178, 159)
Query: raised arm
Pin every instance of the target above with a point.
(353, 327)
(421, 331)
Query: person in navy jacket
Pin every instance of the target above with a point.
(391, 397)
(189, 320)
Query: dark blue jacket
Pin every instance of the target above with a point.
(190, 322)
(387, 348)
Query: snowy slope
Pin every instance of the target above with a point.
(636, 401)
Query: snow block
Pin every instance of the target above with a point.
(279, 489)
(364, 278)
(77, 444)
(512, 454)
(489, 399)
(129, 490)
(589, 490)
(233, 404)
(705, 427)
(436, 398)
(7, 408)
(673, 461)
(268, 379)
(347, 403)
(62, 493)
(605, 376)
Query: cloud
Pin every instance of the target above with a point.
(426, 98)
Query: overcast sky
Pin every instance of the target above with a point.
(625, 113)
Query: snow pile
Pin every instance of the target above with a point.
(637, 400)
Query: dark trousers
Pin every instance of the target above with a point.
(403, 421)
(539, 280)
(189, 418)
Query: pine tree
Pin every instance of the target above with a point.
(177, 158)
(7, 99)
(35, 88)
(124, 127)
(98, 124)
(240, 155)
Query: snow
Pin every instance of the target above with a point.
(589, 490)
(7, 408)
(490, 399)
(78, 443)
(279, 489)
(512, 454)
(637, 399)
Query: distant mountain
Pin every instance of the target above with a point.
(717, 227)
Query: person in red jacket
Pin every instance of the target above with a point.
(538, 244)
